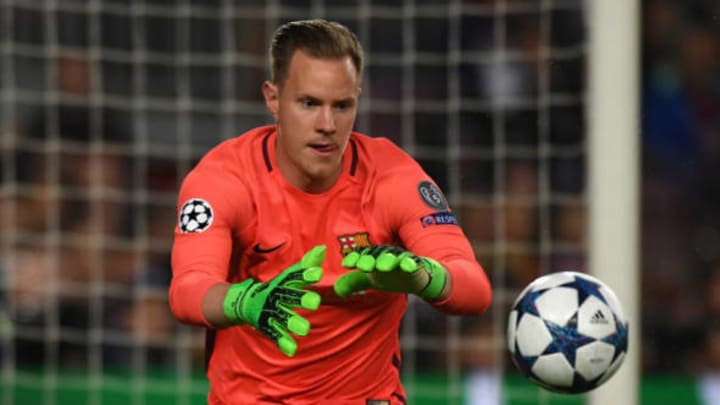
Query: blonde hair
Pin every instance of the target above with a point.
(318, 38)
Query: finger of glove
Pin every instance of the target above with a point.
(284, 341)
(351, 282)
(296, 298)
(303, 278)
(298, 276)
(304, 272)
(291, 321)
(312, 259)
(315, 257)
(366, 263)
(387, 262)
(409, 263)
(281, 318)
(351, 260)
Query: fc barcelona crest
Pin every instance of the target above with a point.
(354, 241)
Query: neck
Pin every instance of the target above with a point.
(301, 179)
(309, 184)
(319, 186)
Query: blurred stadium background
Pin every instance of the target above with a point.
(106, 104)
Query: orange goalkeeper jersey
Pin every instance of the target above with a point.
(240, 218)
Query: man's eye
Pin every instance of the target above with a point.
(308, 102)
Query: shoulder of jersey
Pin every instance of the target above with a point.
(238, 153)
(381, 153)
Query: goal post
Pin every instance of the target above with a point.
(614, 172)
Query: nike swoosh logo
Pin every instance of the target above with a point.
(258, 249)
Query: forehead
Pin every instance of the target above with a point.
(308, 73)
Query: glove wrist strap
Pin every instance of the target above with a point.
(233, 300)
(438, 278)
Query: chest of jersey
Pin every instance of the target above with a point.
(288, 224)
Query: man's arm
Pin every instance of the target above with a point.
(202, 245)
(200, 292)
(270, 306)
(212, 305)
(410, 204)
(392, 268)
(468, 290)
(200, 266)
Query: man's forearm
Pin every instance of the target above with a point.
(446, 290)
(467, 290)
(213, 305)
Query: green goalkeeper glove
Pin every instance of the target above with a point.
(391, 268)
(268, 307)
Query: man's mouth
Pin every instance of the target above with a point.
(323, 148)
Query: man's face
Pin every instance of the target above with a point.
(315, 109)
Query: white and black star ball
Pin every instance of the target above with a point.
(196, 215)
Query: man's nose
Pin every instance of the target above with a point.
(326, 120)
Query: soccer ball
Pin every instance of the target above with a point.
(567, 332)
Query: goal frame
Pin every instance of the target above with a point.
(614, 174)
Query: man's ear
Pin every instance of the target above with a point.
(272, 95)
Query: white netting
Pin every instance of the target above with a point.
(105, 105)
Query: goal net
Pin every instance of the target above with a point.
(106, 104)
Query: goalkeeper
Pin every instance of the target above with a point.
(298, 243)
